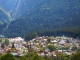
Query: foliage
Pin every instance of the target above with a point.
(2, 45)
(32, 56)
(13, 49)
(75, 56)
(29, 54)
(47, 15)
(49, 40)
(6, 41)
(51, 47)
(23, 58)
(36, 57)
(47, 58)
(8, 56)
(13, 45)
(70, 32)
(65, 48)
(0, 40)
(74, 48)
(62, 57)
(67, 41)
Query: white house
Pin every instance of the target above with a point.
(17, 39)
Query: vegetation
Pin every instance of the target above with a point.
(0, 40)
(6, 41)
(34, 56)
(31, 56)
(76, 56)
(7, 56)
(2, 45)
(13, 45)
(51, 48)
(45, 16)
(70, 32)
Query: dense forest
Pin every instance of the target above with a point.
(69, 32)
(29, 28)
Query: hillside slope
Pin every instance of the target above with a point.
(46, 15)
(4, 16)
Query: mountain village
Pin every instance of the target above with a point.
(45, 45)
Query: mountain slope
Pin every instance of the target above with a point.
(4, 16)
(8, 4)
(23, 6)
(46, 15)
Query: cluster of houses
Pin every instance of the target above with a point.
(64, 45)
(16, 46)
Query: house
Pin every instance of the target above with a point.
(54, 41)
(62, 42)
(3, 38)
(18, 45)
(17, 39)
(67, 44)
(1, 51)
(14, 53)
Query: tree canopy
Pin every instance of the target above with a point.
(76, 56)
(8, 56)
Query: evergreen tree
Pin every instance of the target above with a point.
(0, 40)
(2, 45)
(13, 45)
(6, 41)
(51, 47)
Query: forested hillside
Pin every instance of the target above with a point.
(44, 15)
